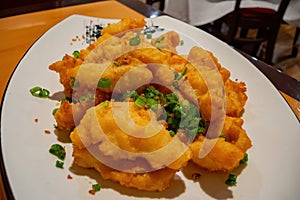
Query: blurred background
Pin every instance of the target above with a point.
(286, 56)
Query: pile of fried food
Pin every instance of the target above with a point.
(112, 123)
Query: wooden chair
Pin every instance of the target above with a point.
(251, 29)
(161, 3)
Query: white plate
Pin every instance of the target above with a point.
(271, 173)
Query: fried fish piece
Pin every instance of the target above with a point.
(168, 41)
(226, 152)
(151, 181)
(223, 157)
(124, 25)
(133, 144)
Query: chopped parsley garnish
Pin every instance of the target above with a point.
(134, 41)
(231, 180)
(245, 159)
(76, 54)
(39, 92)
(58, 151)
(59, 164)
(104, 83)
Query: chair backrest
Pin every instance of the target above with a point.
(161, 3)
(248, 28)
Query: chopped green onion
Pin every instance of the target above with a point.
(140, 101)
(88, 96)
(96, 187)
(74, 83)
(159, 46)
(76, 54)
(149, 35)
(182, 74)
(104, 83)
(58, 150)
(172, 133)
(158, 40)
(231, 180)
(181, 42)
(245, 159)
(116, 63)
(39, 92)
(54, 111)
(223, 136)
(59, 164)
(104, 103)
(134, 41)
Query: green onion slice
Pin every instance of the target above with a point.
(76, 54)
(140, 101)
(96, 187)
(134, 41)
(149, 35)
(116, 63)
(231, 181)
(245, 159)
(54, 111)
(59, 164)
(104, 83)
(39, 92)
(58, 150)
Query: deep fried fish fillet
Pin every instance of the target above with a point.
(226, 152)
(127, 141)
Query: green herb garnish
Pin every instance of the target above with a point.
(58, 151)
(59, 164)
(134, 41)
(116, 64)
(231, 180)
(39, 92)
(104, 83)
(140, 101)
(223, 136)
(245, 159)
(54, 111)
(104, 103)
(179, 76)
(88, 96)
(74, 83)
(178, 115)
(149, 35)
(96, 187)
(76, 54)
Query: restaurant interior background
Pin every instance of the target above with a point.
(282, 58)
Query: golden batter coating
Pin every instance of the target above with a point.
(141, 154)
(125, 138)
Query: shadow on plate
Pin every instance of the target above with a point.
(213, 184)
(176, 188)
